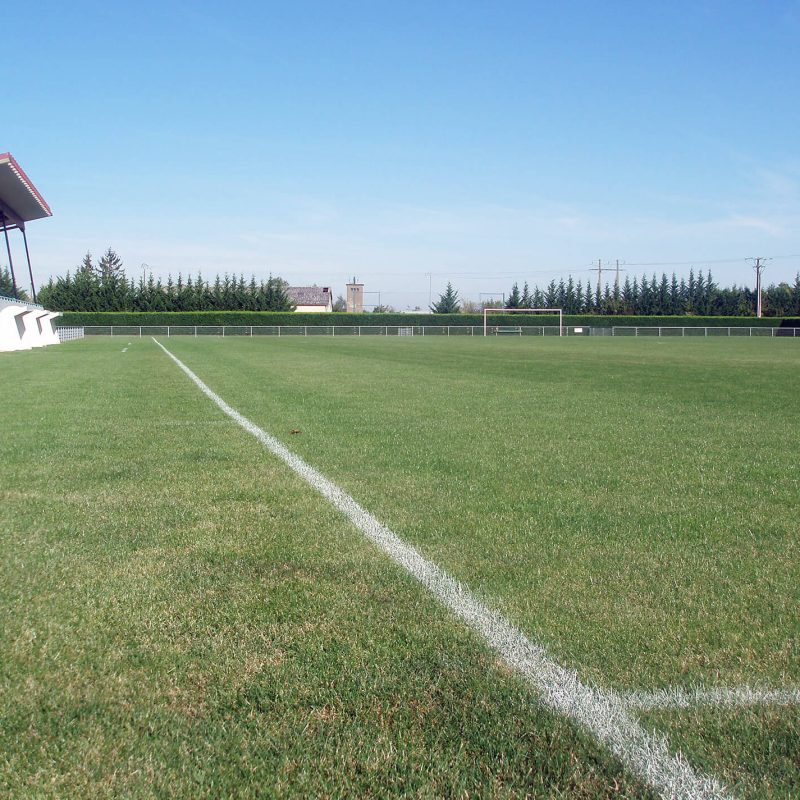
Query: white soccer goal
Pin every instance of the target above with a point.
(405, 331)
(518, 329)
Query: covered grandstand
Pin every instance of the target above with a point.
(22, 324)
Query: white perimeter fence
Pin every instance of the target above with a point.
(415, 330)
(67, 334)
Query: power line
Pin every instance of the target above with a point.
(691, 263)
(481, 275)
(702, 261)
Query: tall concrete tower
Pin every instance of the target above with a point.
(355, 297)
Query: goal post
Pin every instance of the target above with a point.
(487, 311)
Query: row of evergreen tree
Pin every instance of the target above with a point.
(699, 295)
(103, 286)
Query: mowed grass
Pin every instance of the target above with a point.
(631, 504)
(181, 617)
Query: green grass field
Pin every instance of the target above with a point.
(183, 617)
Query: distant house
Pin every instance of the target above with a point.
(311, 298)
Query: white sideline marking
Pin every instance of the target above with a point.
(604, 714)
(738, 696)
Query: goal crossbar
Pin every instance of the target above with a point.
(487, 311)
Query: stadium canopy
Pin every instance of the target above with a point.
(20, 202)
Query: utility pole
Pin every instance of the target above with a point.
(430, 284)
(617, 297)
(599, 270)
(616, 280)
(759, 268)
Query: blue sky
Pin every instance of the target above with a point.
(482, 143)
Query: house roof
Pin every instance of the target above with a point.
(309, 295)
(19, 198)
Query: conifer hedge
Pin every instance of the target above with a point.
(88, 318)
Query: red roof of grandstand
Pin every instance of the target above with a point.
(19, 198)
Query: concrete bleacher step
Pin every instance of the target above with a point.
(25, 325)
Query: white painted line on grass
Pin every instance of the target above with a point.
(604, 714)
(677, 697)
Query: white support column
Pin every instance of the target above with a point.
(49, 334)
(11, 328)
(32, 331)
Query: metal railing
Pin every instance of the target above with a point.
(5, 300)
(731, 330)
(70, 333)
(425, 330)
(302, 330)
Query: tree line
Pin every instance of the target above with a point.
(665, 296)
(104, 286)
(698, 295)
